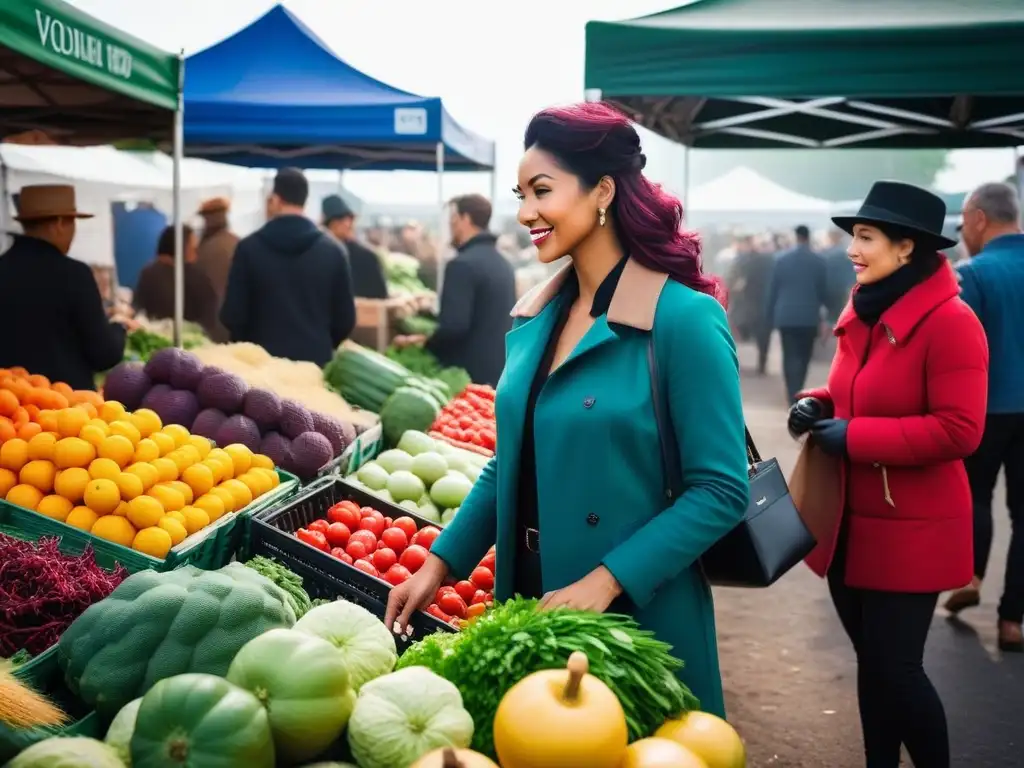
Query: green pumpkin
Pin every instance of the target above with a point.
(67, 752)
(157, 625)
(304, 683)
(201, 721)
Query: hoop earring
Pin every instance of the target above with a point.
(600, 216)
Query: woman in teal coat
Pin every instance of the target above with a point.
(575, 496)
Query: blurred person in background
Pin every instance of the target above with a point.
(992, 283)
(290, 289)
(478, 293)
(368, 279)
(797, 293)
(839, 275)
(71, 340)
(748, 277)
(154, 291)
(216, 244)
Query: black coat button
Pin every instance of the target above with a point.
(593, 519)
(588, 402)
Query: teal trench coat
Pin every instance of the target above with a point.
(598, 454)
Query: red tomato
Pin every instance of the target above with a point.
(319, 525)
(337, 552)
(407, 524)
(373, 524)
(366, 567)
(342, 555)
(466, 590)
(337, 534)
(313, 538)
(388, 522)
(344, 512)
(483, 578)
(414, 557)
(453, 605)
(383, 559)
(366, 538)
(356, 549)
(447, 589)
(368, 512)
(474, 610)
(489, 598)
(479, 598)
(434, 610)
(425, 536)
(396, 574)
(395, 538)
(488, 562)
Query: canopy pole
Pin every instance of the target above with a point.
(494, 189)
(179, 245)
(442, 221)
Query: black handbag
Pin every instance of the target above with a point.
(771, 538)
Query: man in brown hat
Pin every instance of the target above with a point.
(217, 244)
(50, 305)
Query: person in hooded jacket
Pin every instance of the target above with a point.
(290, 289)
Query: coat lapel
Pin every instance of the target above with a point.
(598, 334)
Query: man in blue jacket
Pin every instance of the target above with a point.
(993, 285)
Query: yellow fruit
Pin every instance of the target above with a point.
(271, 475)
(183, 488)
(145, 511)
(241, 492)
(180, 460)
(257, 483)
(122, 509)
(219, 454)
(54, 506)
(216, 469)
(199, 478)
(112, 410)
(42, 446)
(175, 528)
(164, 441)
(230, 503)
(176, 515)
(104, 469)
(70, 421)
(178, 433)
(259, 461)
(81, 517)
(170, 498)
(93, 434)
(195, 519)
(155, 542)
(146, 422)
(125, 428)
(212, 505)
(39, 474)
(201, 444)
(241, 457)
(117, 448)
(166, 469)
(659, 753)
(115, 529)
(73, 451)
(129, 485)
(70, 483)
(102, 496)
(48, 421)
(191, 454)
(147, 473)
(7, 481)
(146, 450)
(24, 495)
(709, 737)
(14, 454)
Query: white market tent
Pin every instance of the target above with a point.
(744, 190)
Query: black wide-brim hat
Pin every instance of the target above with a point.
(916, 210)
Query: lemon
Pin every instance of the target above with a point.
(241, 457)
(155, 542)
(130, 485)
(176, 516)
(54, 506)
(146, 450)
(199, 478)
(111, 410)
(177, 529)
(122, 509)
(259, 461)
(225, 495)
(212, 505)
(82, 518)
(14, 454)
(169, 497)
(102, 496)
(38, 473)
(147, 473)
(24, 495)
(115, 529)
(104, 469)
(146, 422)
(164, 441)
(93, 434)
(178, 433)
(118, 448)
(70, 483)
(191, 454)
(145, 511)
(42, 446)
(222, 456)
(241, 492)
(126, 429)
(166, 469)
(70, 421)
(73, 452)
(183, 488)
(271, 475)
(201, 444)
(257, 483)
(195, 519)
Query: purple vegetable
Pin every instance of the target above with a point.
(311, 451)
(278, 448)
(175, 406)
(186, 372)
(153, 396)
(295, 419)
(207, 423)
(223, 391)
(239, 429)
(161, 363)
(263, 407)
(341, 434)
(128, 384)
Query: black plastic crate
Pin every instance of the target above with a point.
(325, 576)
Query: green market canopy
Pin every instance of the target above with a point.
(941, 74)
(79, 80)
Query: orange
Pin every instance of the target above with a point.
(219, 454)
(271, 475)
(49, 421)
(195, 519)
(89, 408)
(146, 450)
(117, 447)
(63, 388)
(7, 481)
(7, 429)
(257, 483)
(130, 485)
(212, 505)
(81, 517)
(122, 509)
(104, 469)
(216, 468)
(201, 444)
(23, 495)
(170, 498)
(115, 529)
(39, 474)
(147, 473)
(70, 421)
(241, 457)
(175, 528)
(70, 483)
(38, 380)
(111, 410)
(144, 511)
(28, 430)
(102, 496)
(176, 516)
(166, 468)
(146, 422)
(73, 452)
(155, 542)
(14, 454)
(42, 446)
(191, 454)
(8, 403)
(127, 429)
(241, 492)
(183, 488)
(178, 433)
(199, 478)
(227, 497)
(94, 434)
(164, 441)
(54, 506)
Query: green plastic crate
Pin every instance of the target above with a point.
(365, 447)
(211, 548)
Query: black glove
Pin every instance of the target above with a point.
(830, 435)
(802, 415)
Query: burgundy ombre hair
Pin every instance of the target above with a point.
(595, 140)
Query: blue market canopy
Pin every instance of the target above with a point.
(274, 94)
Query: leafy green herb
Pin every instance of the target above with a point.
(290, 582)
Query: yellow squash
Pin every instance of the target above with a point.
(660, 753)
(710, 737)
(449, 757)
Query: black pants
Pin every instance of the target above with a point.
(898, 704)
(763, 339)
(1002, 447)
(797, 350)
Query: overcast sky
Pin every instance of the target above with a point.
(493, 62)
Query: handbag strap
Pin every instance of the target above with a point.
(670, 463)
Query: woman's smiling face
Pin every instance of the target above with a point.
(559, 213)
(874, 255)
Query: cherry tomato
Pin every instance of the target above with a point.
(447, 589)
(388, 522)
(366, 538)
(337, 552)
(373, 524)
(342, 555)
(368, 512)
(395, 538)
(337, 534)
(434, 610)
(407, 524)
(356, 550)
(396, 574)
(313, 538)
(319, 525)
(344, 512)
(466, 590)
(366, 567)
(425, 536)
(479, 598)
(474, 610)
(383, 559)
(483, 578)
(488, 562)
(414, 557)
(453, 605)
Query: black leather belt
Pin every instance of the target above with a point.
(531, 540)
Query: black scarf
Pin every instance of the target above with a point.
(872, 299)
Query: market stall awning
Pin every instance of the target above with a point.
(80, 80)
(743, 189)
(274, 94)
(845, 73)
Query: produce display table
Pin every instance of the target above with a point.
(376, 318)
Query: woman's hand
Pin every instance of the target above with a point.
(414, 594)
(594, 592)
(830, 436)
(802, 415)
